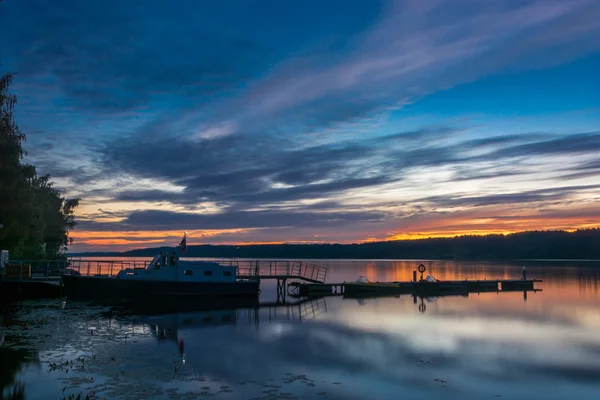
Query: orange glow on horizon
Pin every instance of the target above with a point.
(171, 238)
(153, 234)
(461, 223)
(118, 242)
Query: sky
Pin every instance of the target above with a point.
(309, 121)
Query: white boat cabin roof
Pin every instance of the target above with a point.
(172, 260)
(169, 267)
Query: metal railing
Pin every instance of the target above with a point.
(33, 269)
(104, 267)
(266, 269)
(259, 269)
(306, 309)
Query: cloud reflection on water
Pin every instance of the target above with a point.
(544, 346)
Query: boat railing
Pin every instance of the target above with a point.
(104, 267)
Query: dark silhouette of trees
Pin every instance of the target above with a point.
(581, 244)
(35, 220)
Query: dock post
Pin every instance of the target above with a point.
(414, 276)
(524, 274)
(281, 290)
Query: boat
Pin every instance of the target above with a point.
(166, 276)
(362, 286)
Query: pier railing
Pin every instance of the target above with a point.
(266, 269)
(34, 269)
(259, 269)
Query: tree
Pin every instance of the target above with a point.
(36, 219)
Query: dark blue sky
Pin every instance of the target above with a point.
(264, 121)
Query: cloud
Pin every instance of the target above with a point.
(216, 131)
(571, 144)
(411, 51)
(241, 171)
(155, 219)
(159, 107)
(535, 196)
(114, 56)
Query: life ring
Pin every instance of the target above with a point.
(421, 268)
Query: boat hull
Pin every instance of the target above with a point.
(110, 287)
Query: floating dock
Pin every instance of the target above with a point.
(419, 287)
(410, 287)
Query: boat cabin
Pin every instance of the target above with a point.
(169, 268)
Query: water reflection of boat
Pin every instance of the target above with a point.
(165, 276)
(169, 319)
(156, 306)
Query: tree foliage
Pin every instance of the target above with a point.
(35, 218)
(580, 244)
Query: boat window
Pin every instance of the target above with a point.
(226, 273)
(188, 272)
(208, 273)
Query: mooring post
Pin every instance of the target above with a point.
(283, 290)
(524, 274)
(414, 276)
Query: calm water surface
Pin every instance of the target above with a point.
(542, 345)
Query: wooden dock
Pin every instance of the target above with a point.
(409, 287)
(24, 278)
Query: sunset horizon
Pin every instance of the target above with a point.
(320, 123)
(153, 239)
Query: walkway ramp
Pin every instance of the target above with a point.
(281, 270)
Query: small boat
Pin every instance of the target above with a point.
(363, 286)
(166, 276)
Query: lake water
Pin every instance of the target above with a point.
(509, 345)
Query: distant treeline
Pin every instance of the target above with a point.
(582, 244)
(34, 218)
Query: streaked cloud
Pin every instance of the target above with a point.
(310, 122)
